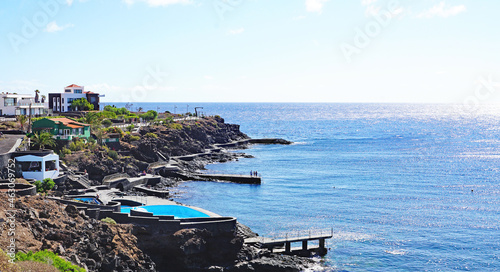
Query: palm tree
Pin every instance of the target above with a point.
(99, 133)
(36, 95)
(139, 109)
(22, 120)
(43, 98)
(43, 139)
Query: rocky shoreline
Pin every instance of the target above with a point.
(99, 246)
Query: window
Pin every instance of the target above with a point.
(62, 100)
(70, 100)
(81, 131)
(60, 132)
(9, 102)
(67, 91)
(78, 90)
(92, 99)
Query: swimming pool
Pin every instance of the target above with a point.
(90, 200)
(176, 210)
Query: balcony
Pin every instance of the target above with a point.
(64, 137)
(27, 105)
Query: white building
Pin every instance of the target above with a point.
(61, 102)
(19, 104)
(39, 167)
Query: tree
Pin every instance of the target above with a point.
(139, 109)
(22, 120)
(81, 104)
(36, 96)
(149, 115)
(43, 98)
(43, 139)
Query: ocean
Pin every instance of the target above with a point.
(405, 187)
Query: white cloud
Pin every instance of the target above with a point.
(53, 27)
(300, 17)
(374, 9)
(22, 86)
(442, 10)
(315, 5)
(236, 31)
(159, 3)
(102, 87)
(69, 2)
(367, 2)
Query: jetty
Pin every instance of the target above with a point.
(283, 245)
(246, 179)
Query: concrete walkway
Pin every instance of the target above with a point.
(9, 142)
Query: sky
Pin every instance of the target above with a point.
(395, 51)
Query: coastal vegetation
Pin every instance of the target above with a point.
(45, 185)
(109, 221)
(81, 104)
(22, 120)
(50, 258)
(42, 139)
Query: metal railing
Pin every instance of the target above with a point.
(79, 178)
(310, 233)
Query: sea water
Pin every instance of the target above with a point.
(405, 187)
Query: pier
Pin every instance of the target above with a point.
(284, 244)
(246, 179)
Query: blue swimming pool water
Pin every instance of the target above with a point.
(125, 208)
(175, 210)
(90, 200)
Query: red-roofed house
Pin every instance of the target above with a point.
(62, 128)
(61, 102)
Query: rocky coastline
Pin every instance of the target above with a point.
(99, 246)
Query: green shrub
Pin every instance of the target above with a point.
(106, 122)
(76, 145)
(109, 221)
(65, 151)
(151, 135)
(130, 128)
(49, 257)
(149, 115)
(45, 185)
(134, 138)
(175, 126)
(117, 111)
(113, 154)
(115, 130)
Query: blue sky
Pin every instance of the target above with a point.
(254, 50)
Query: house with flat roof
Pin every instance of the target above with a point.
(61, 102)
(62, 128)
(20, 104)
(39, 167)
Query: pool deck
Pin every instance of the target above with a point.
(108, 195)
